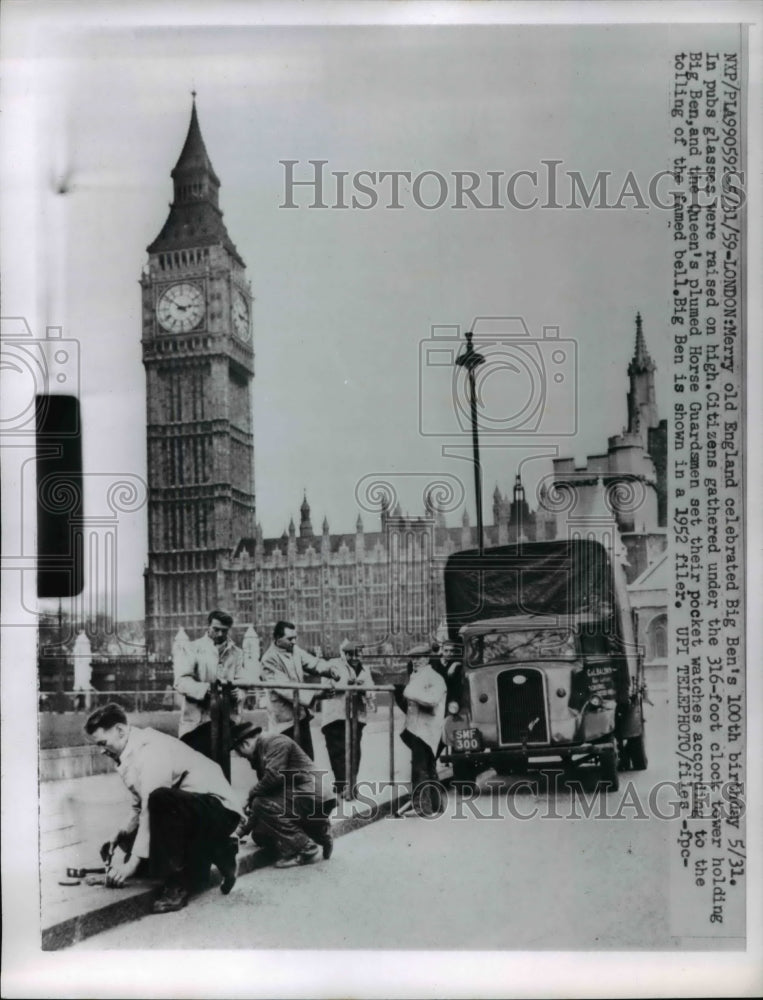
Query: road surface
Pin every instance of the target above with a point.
(478, 877)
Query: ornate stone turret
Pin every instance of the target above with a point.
(305, 525)
(466, 531)
(642, 404)
(251, 649)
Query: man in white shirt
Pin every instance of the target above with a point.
(285, 661)
(183, 811)
(423, 701)
(212, 659)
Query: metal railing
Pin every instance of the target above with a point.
(352, 693)
(169, 700)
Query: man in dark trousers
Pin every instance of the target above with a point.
(288, 808)
(348, 669)
(184, 811)
(448, 663)
(285, 662)
(423, 701)
(213, 663)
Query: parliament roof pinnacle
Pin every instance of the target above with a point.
(641, 360)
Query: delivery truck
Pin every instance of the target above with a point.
(550, 671)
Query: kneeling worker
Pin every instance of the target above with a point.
(288, 808)
(184, 810)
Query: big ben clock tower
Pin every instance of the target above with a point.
(199, 360)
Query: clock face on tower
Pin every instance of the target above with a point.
(180, 307)
(241, 315)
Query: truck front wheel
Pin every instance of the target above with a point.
(463, 776)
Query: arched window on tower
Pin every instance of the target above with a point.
(657, 639)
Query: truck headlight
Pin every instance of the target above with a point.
(453, 708)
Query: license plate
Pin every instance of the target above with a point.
(467, 739)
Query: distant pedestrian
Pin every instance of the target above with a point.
(349, 670)
(288, 808)
(183, 810)
(214, 660)
(284, 661)
(423, 701)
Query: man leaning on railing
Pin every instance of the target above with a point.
(213, 661)
(285, 661)
(337, 728)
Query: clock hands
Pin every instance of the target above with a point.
(181, 307)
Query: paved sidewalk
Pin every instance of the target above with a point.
(78, 815)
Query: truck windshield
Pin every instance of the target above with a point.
(526, 644)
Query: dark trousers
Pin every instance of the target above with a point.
(189, 832)
(200, 739)
(335, 734)
(304, 738)
(287, 826)
(426, 790)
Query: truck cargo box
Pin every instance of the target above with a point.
(568, 577)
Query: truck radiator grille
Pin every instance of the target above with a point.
(522, 706)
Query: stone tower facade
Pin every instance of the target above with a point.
(628, 481)
(199, 361)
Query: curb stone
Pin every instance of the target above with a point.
(136, 901)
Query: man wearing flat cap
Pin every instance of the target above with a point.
(288, 808)
(348, 670)
(423, 701)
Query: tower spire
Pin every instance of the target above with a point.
(519, 490)
(641, 361)
(194, 163)
(305, 524)
(642, 405)
(195, 218)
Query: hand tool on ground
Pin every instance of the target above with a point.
(101, 880)
(82, 872)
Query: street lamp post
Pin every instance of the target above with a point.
(471, 360)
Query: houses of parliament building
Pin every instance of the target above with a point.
(381, 582)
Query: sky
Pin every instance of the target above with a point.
(347, 299)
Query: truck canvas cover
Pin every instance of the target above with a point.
(571, 577)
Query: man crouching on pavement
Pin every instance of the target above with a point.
(288, 808)
(184, 810)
